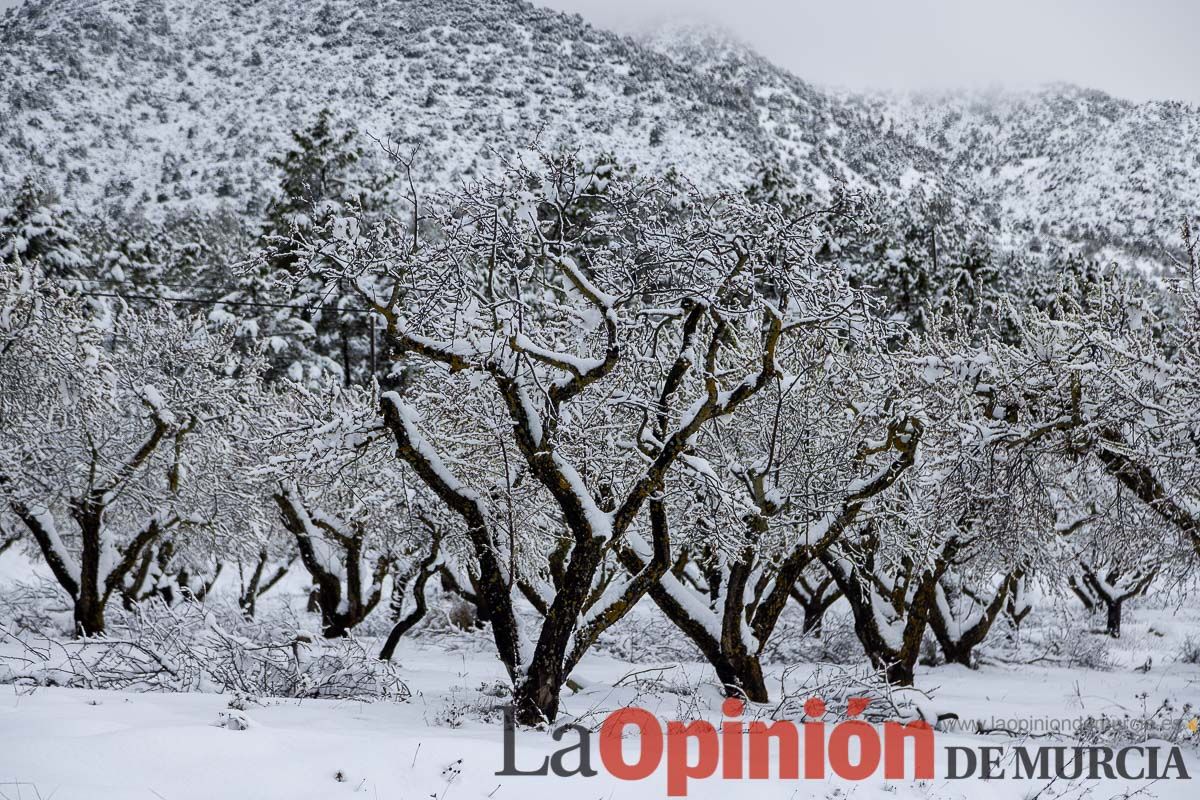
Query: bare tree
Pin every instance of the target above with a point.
(589, 326)
(783, 483)
(815, 591)
(350, 512)
(114, 433)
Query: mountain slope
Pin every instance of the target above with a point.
(1066, 162)
(164, 103)
(160, 106)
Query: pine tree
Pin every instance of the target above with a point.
(315, 181)
(38, 229)
(921, 254)
(772, 184)
(313, 331)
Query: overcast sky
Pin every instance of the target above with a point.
(1141, 49)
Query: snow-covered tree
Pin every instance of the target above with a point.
(113, 440)
(172, 569)
(1097, 377)
(37, 229)
(996, 507)
(345, 502)
(316, 180)
(891, 592)
(1113, 546)
(781, 483)
(1101, 393)
(918, 253)
(313, 329)
(582, 374)
(943, 547)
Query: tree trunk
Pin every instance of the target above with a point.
(815, 600)
(424, 572)
(89, 615)
(737, 667)
(89, 603)
(897, 672)
(257, 587)
(1017, 606)
(814, 624)
(1113, 627)
(536, 697)
(958, 650)
(337, 618)
(1113, 590)
(536, 693)
(897, 664)
(742, 677)
(333, 626)
(746, 677)
(398, 630)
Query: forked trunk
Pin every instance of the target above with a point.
(897, 662)
(958, 642)
(1112, 589)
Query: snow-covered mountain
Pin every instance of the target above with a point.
(157, 105)
(1064, 161)
(164, 102)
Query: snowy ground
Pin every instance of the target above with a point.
(96, 745)
(446, 742)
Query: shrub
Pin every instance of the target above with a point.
(1189, 651)
(159, 648)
